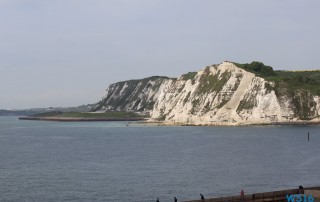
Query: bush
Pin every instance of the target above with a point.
(258, 68)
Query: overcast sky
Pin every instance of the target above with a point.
(66, 52)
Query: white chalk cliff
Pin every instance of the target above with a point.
(221, 94)
(132, 95)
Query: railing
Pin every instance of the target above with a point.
(277, 196)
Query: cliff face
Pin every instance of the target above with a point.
(133, 95)
(218, 95)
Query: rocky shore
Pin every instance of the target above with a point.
(292, 123)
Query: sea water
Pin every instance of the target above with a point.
(116, 161)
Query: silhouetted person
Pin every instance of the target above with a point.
(301, 190)
(242, 195)
(201, 197)
(175, 199)
(157, 200)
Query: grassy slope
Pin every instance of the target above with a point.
(299, 86)
(292, 80)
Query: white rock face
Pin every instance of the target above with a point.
(243, 98)
(217, 95)
(133, 95)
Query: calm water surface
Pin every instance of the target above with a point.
(109, 161)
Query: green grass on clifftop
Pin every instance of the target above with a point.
(297, 87)
(189, 75)
(257, 68)
(291, 80)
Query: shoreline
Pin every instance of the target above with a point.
(147, 121)
(76, 119)
(291, 123)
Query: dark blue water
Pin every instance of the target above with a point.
(109, 161)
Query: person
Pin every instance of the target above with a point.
(157, 200)
(301, 190)
(242, 192)
(202, 197)
(175, 199)
(242, 195)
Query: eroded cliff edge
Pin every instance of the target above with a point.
(224, 94)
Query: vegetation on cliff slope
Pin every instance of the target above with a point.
(212, 83)
(292, 80)
(189, 75)
(298, 87)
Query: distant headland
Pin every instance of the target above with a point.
(85, 116)
(224, 94)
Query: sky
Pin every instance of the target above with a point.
(66, 52)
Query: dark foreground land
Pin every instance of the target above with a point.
(85, 116)
(277, 196)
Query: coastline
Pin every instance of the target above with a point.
(151, 122)
(79, 119)
(291, 123)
